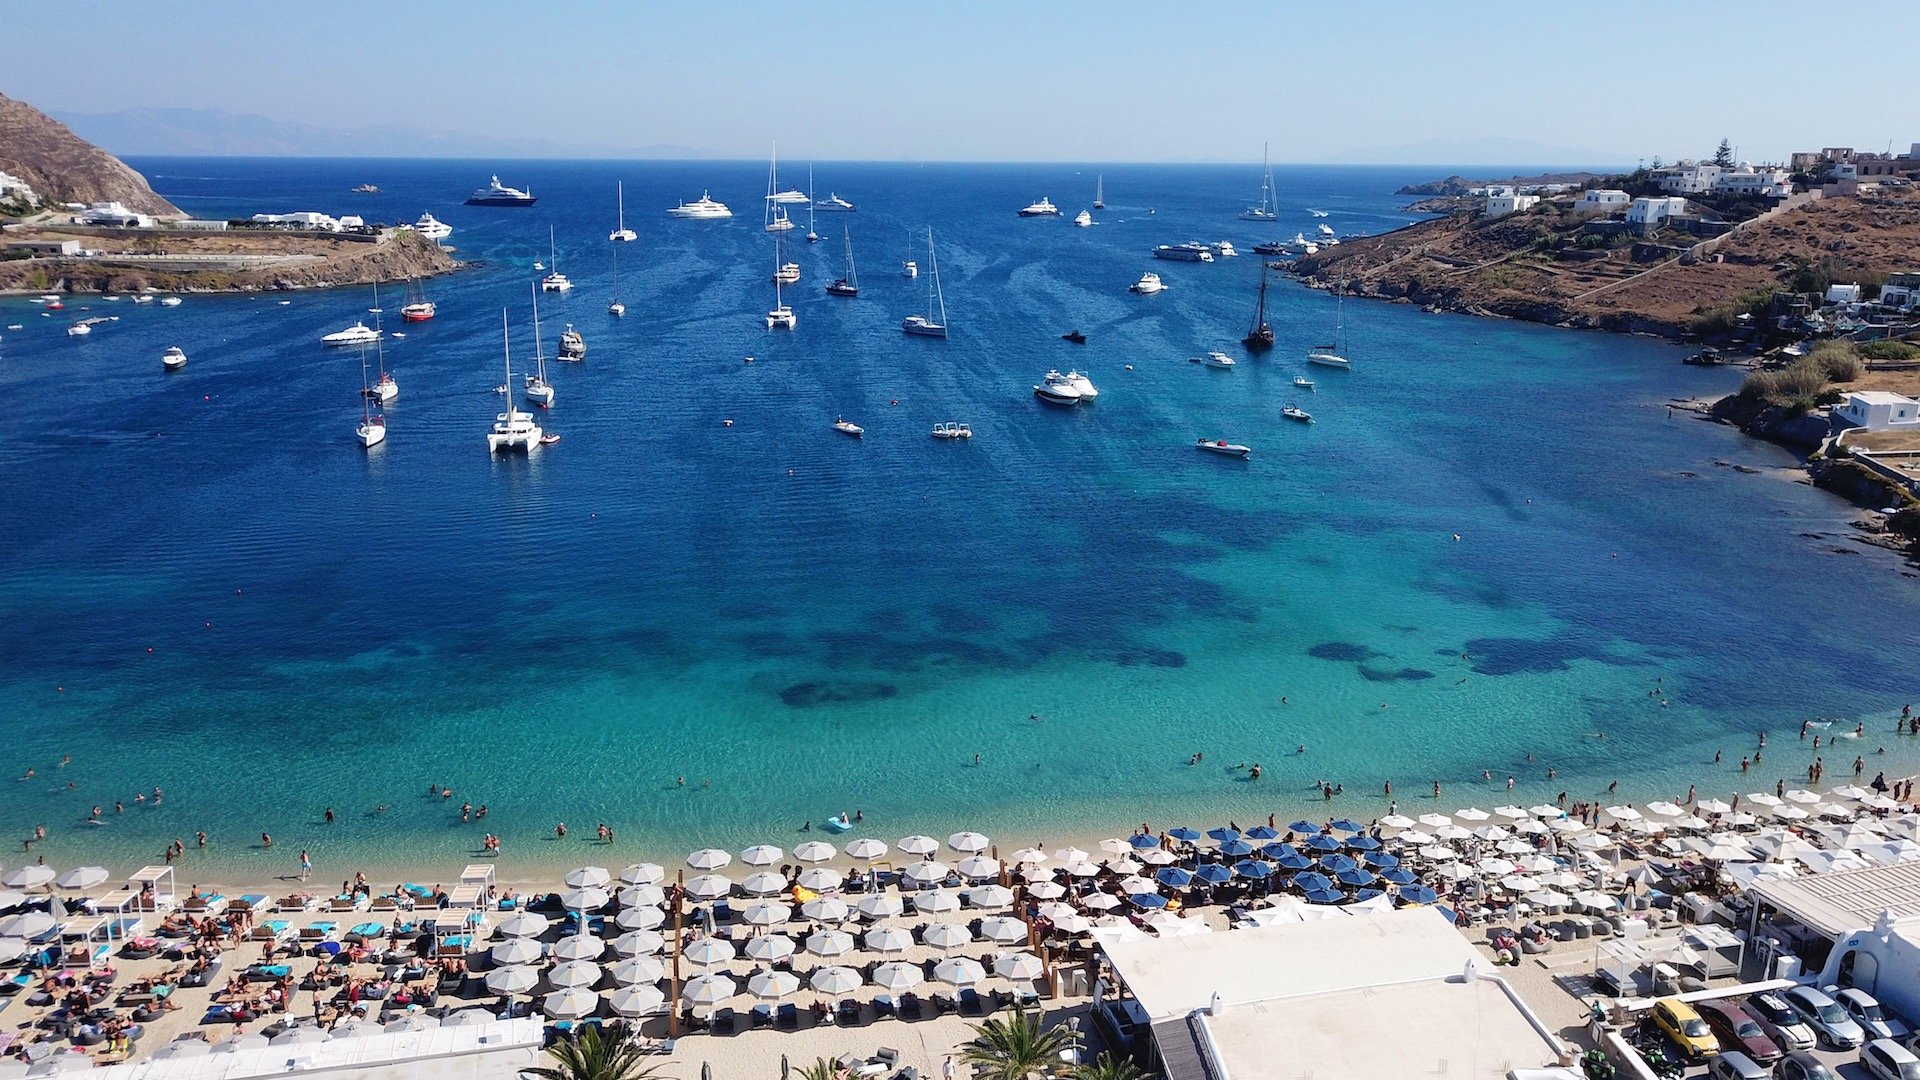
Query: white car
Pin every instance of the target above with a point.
(1780, 1022)
(1888, 1060)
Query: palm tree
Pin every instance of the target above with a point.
(1015, 1049)
(821, 1069)
(1108, 1068)
(612, 1053)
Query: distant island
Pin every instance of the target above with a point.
(1457, 185)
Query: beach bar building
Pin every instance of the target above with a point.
(1856, 928)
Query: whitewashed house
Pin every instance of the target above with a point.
(1878, 410)
(1687, 178)
(1502, 205)
(113, 214)
(1848, 293)
(1650, 213)
(1746, 180)
(1603, 201)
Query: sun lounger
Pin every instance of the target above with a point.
(943, 1004)
(368, 930)
(909, 1006)
(271, 930)
(788, 1018)
(320, 931)
(882, 1006)
(760, 1016)
(723, 1021)
(383, 903)
(970, 1002)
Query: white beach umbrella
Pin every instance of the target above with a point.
(763, 883)
(1758, 798)
(1513, 847)
(12, 898)
(1624, 813)
(522, 924)
(638, 969)
(1438, 852)
(1712, 806)
(1536, 864)
(1413, 838)
(815, 851)
(1593, 841)
(827, 908)
(82, 877)
(588, 877)
(185, 1048)
(835, 980)
(1494, 867)
(946, 936)
(1850, 791)
(1114, 845)
(1122, 865)
(766, 914)
(27, 924)
(587, 899)
(1832, 810)
(1493, 834)
(888, 939)
(515, 951)
(1738, 819)
(821, 878)
(1728, 853)
(1567, 825)
(881, 905)
(918, 845)
(570, 1004)
(13, 948)
(1560, 879)
(710, 886)
(897, 977)
(1071, 855)
(709, 951)
(1435, 821)
(829, 943)
(1596, 900)
(1451, 832)
(574, 973)
(978, 867)
(1082, 869)
(866, 850)
(1056, 911)
(1073, 924)
(1692, 821)
(709, 859)
(959, 971)
(990, 896)
(707, 989)
(1003, 929)
(31, 876)
(772, 985)
(925, 873)
(579, 947)
(640, 918)
(1027, 856)
(1159, 857)
(1101, 902)
(1545, 810)
(1017, 966)
(1548, 898)
(642, 896)
(1518, 883)
(1511, 813)
(643, 874)
(968, 842)
(517, 979)
(1046, 890)
(770, 948)
(1879, 802)
(1397, 821)
(1789, 812)
(762, 855)
(635, 1000)
(1802, 796)
(1138, 885)
(1532, 828)
(1453, 871)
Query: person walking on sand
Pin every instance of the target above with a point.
(306, 865)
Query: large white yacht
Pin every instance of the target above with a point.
(499, 194)
(432, 228)
(1148, 284)
(357, 334)
(1188, 252)
(1043, 208)
(833, 203)
(706, 207)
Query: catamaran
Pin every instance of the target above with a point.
(929, 325)
(620, 231)
(1269, 199)
(1334, 354)
(781, 317)
(555, 281)
(538, 389)
(1259, 335)
(846, 284)
(513, 429)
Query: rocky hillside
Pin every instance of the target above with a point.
(297, 262)
(63, 167)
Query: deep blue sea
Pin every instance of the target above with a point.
(212, 589)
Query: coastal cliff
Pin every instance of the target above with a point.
(232, 262)
(63, 167)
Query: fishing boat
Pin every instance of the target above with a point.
(846, 284)
(812, 237)
(538, 389)
(555, 281)
(1083, 219)
(834, 204)
(1212, 359)
(372, 430)
(1259, 335)
(432, 228)
(1223, 448)
(417, 308)
(1268, 210)
(934, 322)
(572, 345)
(951, 430)
(909, 268)
(1301, 382)
(1333, 354)
(1296, 413)
(1148, 284)
(499, 194)
(848, 427)
(174, 358)
(781, 317)
(1100, 192)
(620, 233)
(512, 430)
(1043, 208)
(704, 208)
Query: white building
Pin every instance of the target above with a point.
(1747, 180)
(1649, 213)
(1843, 294)
(306, 219)
(1879, 410)
(113, 214)
(1901, 292)
(1502, 205)
(1603, 200)
(1866, 923)
(12, 187)
(1687, 178)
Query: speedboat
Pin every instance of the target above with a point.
(1224, 249)
(357, 334)
(781, 318)
(1148, 284)
(1223, 447)
(1326, 232)
(143, 299)
(169, 301)
(572, 345)
(555, 282)
(704, 208)
(848, 427)
(787, 273)
(1212, 359)
(174, 358)
(951, 430)
(1056, 393)
(1188, 252)
(1296, 413)
(834, 203)
(1043, 208)
(499, 194)
(432, 228)
(79, 329)
(1082, 385)
(1083, 219)
(1301, 382)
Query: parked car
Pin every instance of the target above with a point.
(1801, 1065)
(1780, 1022)
(1872, 1017)
(1828, 1020)
(1739, 1030)
(1684, 1029)
(1734, 1065)
(1888, 1060)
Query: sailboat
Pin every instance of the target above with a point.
(1259, 335)
(372, 430)
(1334, 355)
(812, 237)
(1268, 210)
(513, 429)
(776, 210)
(781, 316)
(929, 325)
(846, 284)
(539, 390)
(418, 308)
(1100, 192)
(620, 233)
(616, 307)
(910, 268)
(555, 281)
(386, 389)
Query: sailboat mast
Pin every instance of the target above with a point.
(620, 203)
(506, 352)
(539, 357)
(935, 295)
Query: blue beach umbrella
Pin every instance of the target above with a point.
(1322, 842)
(1174, 876)
(1368, 894)
(1333, 864)
(1323, 896)
(1398, 876)
(1143, 841)
(1303, 826)
(1418, 894)
(1364, 843)
(1186, 834)
(1262, 832)
(1354, 877)
(1287, 856)
(1253, 868)
(1224, 834)
(1346, 825)
(1380, 860)
(1213, 873)
(1313, 880)
(1236, 848)
(1148, 900)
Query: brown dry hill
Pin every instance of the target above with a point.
(63, 167)
(1529, 266)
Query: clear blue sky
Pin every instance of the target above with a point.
(1112, 81)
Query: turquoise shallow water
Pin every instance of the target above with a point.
(1079, 598)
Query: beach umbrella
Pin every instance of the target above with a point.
(978, 867)
(1263, 832)
(588, 877)
(946, 936)
(827, 908)
(1103, 901)
(1213, 873)
(1056, 910)
(835, 980)
(31, 876)
(1073, 924)
(574, 973)
(1472, 813)
(585, 899)
(1233, 849)
(821, 878)
(815, 851)
(1363, 843)
(989, 896)
(709, 951)
(412, 1022)
(635, 1000)
(1712, 806)
(707, 989)
(1418, 894)
(918, 845)
(762, 855)
(1738, 819)
(82, 877)
(1002, 929)
(1397, 821)
(254, 1040)
(710, 886)
(1302, 826)
(1592, 841)
(1017, 966)
(517, 979)
(1081, 869)
(297, 1035)
(1789, 812)
(1223, 833)
(1692, 821)
(1186, 834)
(1286, 857)
(866, 850)
(642, 896)
(1519, 883)
(579, 947)
(185, 1048)
(13, 948)
(570, 1003)
(1347, 825)
(1174, 876)
(959, 971)
(968, 842)
(1438, 852)
(1337, 862)
(1380, 860)
(1143, 841)
(1149, 901)
(1453, 871)
(1758, 798)
(1546, 810)
(1257, 869)
(1070, 855)
(881, 905)
(1833, 810)
(1114, 845)
(1027, 856)
(1122, 866)
(1513, 847)
(936, 901)
(1623, 813)
(515, 951)
(1532, 828)
(1451, 832)
(1880, 802)
(1537, 864)
(709, 859)
(1046, 890)
(1324, 896)
(1510, 812)
(1321, 842)
(770, 948)
(638, 969)
(1849, 791)
(11, 898)
(28, 925)
(1553, 898)
(1569, 825)
(829, 943)
(1560, 879)
(763, 883)
(1354, 877)
(1802, 796)
(897, 978)
(1398, 876)
(352, 1029)
(1599, 901)
(1413, 838)
(1435, 821)
(642, 874)
(766, 914)
(1138, 884)
(925, 873)
(522, 924)
(640, 918)
(1159, 857)
(1494, 867)
(888, 939)
(772, 985)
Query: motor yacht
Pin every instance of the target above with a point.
(1043, 208)
(1223, 447)
(1188, 252)
(703, 208)
(357, 334)
(1212, 359)
(1296, 413)
(1301, 382)
(1326, 233)
(1055, 391)
(499, 194)
(174, 358)
(1148, 284)
(834, 204)
(951, 430)
(79, 329)
(1081, 385)
(1271, 247)
(1224, 249)
(572, 345)
(432, 228)
(848, 427)
(169, 301)
(787, 273)
(1083, 219)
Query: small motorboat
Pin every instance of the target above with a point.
(79, 329)
(1148, 284)
(1074, 336)
(1212, 359)
(1301, 382)
(169, 301)
(549, 439)
(1296, 413)
(1083, 219)
(572, 345)
(1080, 383)
(848, 427)
(952, 430)
(1056, 391)
(1223, 447)
(174, 358)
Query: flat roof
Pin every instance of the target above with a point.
(1846, 900)
(1879, 397)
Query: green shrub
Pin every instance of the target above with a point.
(1889, 349)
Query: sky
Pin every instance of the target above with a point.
(1384, 81)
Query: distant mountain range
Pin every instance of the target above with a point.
(219, 133)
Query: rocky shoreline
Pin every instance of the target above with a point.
(300, 263)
